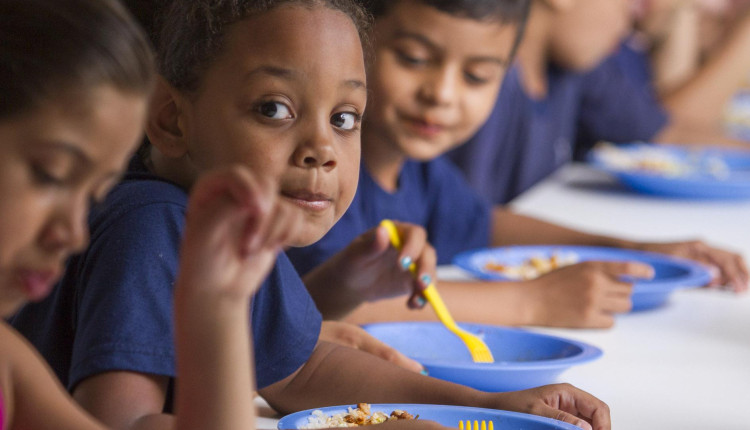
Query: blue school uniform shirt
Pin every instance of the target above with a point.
(431, 194)
(633, 60)
(112, 310)
(525, 140)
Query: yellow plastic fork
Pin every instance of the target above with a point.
(480, 353)
(484, 425)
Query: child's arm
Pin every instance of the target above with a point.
(34, 398)
(370, 268)
(235, 227)
(585, 295)
(510, 228)
(702, 98)
(354, 336)
(336, 375)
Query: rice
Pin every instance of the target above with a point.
(354, 417)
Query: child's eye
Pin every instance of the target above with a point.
(475, 79)
(411, 60)
(345, 120)
(45, 178)
(275, 110)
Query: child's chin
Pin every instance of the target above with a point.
(307, 238)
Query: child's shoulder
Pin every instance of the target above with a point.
(140, 193)
(15, 350)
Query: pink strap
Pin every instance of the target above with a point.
(2, 410)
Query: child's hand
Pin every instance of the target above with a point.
(731, 267)
(356, 337)
(584, 295)
(235, 226)
(562, 402)
(369, 268)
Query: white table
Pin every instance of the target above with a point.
(685, 366)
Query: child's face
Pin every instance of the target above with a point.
(583, 35)
(285, 98)
(53, 162)
(435, 78)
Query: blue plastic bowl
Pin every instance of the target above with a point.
(523, 359)
(448, 416)
(699, 186)
(670, 273)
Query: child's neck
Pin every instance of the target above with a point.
(382, 159)
(533, 54)
(170, 169)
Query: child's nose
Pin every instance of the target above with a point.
(67, 231)
(441, 86)
(317, 151)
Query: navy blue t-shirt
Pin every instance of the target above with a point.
(112, 310)
(525, 140)
(431, 194)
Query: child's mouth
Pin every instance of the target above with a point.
(307, 200)
(37, 284)
(424, 128)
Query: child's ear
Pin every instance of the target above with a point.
(164, 125)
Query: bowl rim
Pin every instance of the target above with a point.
(587, 352)
(696, 273)
(409, 407)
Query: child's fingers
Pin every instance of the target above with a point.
(237, 182)
(376, 347)
(286, 222)
(627, 269)
(617, 304)
(413, 242)
(733, 270)
(426, 267)
(416, 301)
(580, 408)
(274, 229)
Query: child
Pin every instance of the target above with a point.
(695, 85)
(74, 80)
(433, 82)
(561, 98)
(277, 86)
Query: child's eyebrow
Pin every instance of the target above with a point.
(401, 34)
(355, 84)
(279, 72)
(290, 74)
(433, 46)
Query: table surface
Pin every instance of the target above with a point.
(683, 366)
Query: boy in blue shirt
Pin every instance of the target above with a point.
(433, 84)
(568, 91)
(278, 87)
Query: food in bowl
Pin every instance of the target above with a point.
(355, 417)
(661, 161)
(532, 267)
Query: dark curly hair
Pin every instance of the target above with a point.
(52, 46)
(514, 12)
(192, 32)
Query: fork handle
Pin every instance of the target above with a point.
(432, 296)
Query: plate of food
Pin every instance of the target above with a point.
(449, 416)
(523, 358)
(529, 262)
(676, 171)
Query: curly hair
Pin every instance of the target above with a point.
(192, 32)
